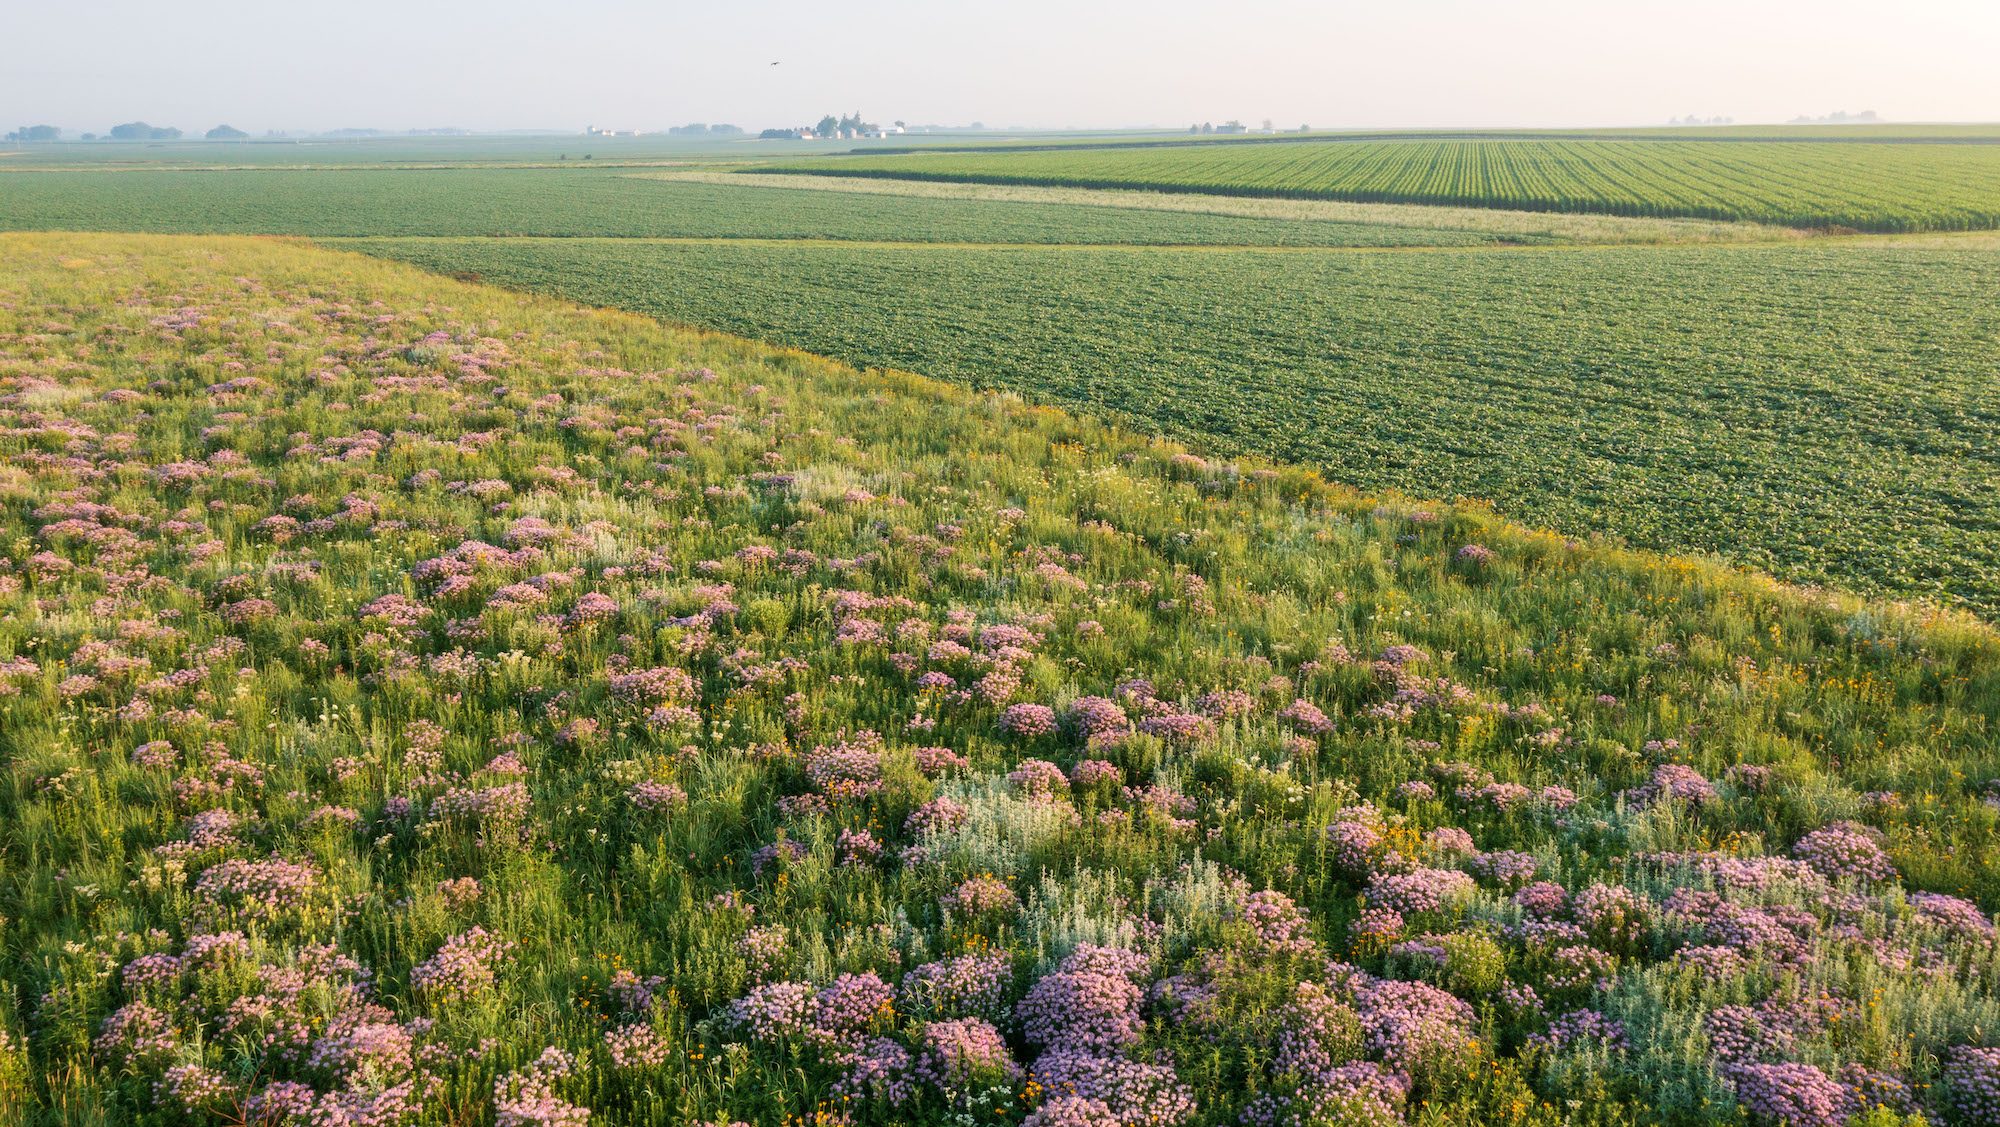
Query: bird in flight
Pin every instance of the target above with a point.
(774, 64)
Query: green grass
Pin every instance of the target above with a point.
(218, 454)
(1826, 411)
(1871, 187)
(575, 202)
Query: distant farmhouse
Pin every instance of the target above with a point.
(831, 128)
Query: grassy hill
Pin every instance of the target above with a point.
(421, 702)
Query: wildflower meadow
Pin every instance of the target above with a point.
(427, 704)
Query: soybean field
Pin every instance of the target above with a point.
(579, 203)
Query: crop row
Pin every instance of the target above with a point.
(1869, 187)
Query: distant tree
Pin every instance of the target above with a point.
(140, 131)
(1195, 128)
(90, 136)
(1268, 127)
(725, 131)
(35, 133)
(828, 126)
(226, 133)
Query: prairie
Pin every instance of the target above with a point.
(424, 703)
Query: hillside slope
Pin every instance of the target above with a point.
(420, 701)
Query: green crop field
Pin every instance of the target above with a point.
(1870, 187)
(1783, 405)
(566, 202)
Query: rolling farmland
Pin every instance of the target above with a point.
(1868, 187)
(522, 605)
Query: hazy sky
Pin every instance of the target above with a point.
(498, 64)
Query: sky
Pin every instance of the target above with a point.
(622, 64)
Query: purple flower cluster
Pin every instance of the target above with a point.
(1136, 1093)
(1673, 782)
(637, 1048)
(939, 815)
(1097, 719)
(1072, 1111)
(467, 963)
(1354, 846)
(1509, 868)
(1587, 1028)
(1090, 1002)
(849, 1007)
(981, 895)
(962, 1055)
(847, 769)
(963, 986)
(1845, 851)
(1277, 924)
(1028, 720)
(527, 1096)
(1953, 914)
(1408, 1023)
(650, 796)
(1613, 914)
(1420, 890)
(255, 890)
(1771, 1030)
(774, 1010)
(1972, 1082)
(1306, 717)
(1039, 779)
(1791, 1095)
